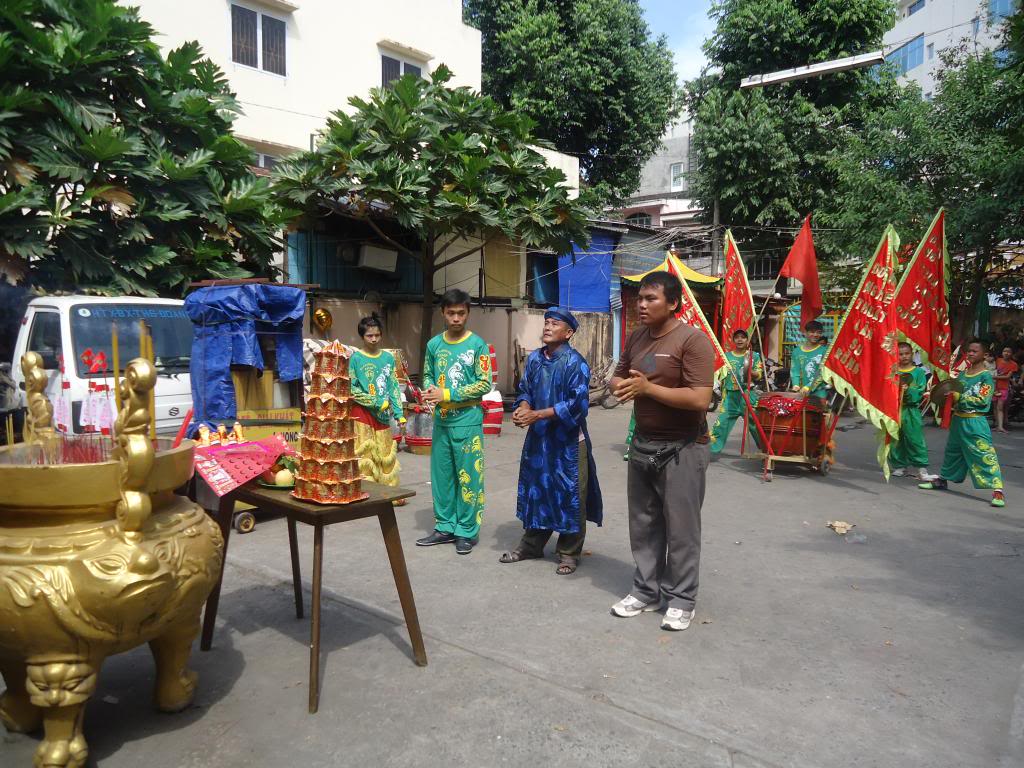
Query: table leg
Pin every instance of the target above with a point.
(293, 545)
(224, 514)
(393, 543)
(314, 642)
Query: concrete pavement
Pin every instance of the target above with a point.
(807, 649)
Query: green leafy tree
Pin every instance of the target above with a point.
(763, 152)
(912, 156)
(118, 169)
(591, 76)
(444, 164)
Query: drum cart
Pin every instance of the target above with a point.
(799, 429)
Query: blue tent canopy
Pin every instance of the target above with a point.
(226, 321)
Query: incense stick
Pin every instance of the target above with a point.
(117, 367)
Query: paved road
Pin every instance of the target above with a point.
(905, 649)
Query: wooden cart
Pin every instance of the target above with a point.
(799, 429)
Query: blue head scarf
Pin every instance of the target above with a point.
(557, 313)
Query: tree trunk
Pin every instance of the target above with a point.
(963, 328)
(427, 314)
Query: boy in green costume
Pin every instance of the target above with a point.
(911, 450)
(969, 448)
(375, 388)
(741, 362)
(805, 362)
(456, 375)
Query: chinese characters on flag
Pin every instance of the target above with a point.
(922, 304)
(691, 314)
(737, 301)
(861, 363)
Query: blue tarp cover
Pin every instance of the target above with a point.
(583, 286)
(225, 323)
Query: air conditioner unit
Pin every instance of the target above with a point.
(377, 258)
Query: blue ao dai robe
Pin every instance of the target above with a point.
(549, 492)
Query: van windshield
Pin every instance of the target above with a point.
(91, 326)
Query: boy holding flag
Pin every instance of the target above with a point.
(911, 450)
(744, 367)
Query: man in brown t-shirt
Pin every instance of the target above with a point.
(667, 369)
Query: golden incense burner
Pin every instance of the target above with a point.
(95, 559)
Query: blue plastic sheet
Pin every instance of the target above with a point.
(583, 285)
(226, 323)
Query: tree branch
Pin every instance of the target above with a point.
(463, 255)
(380, 233)
(447, 245)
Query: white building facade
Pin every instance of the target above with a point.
(293, 62)
(924, 28)
(663, 198)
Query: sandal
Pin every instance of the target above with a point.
(516, 555)
(566, 565)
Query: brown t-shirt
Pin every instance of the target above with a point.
(683, 357)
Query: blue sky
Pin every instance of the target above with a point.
(685, 23)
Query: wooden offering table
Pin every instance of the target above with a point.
(379, 505)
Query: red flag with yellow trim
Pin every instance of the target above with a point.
(922, 298)
(737, 300)
(862, 361)
(691, 314)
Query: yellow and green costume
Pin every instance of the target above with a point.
(733, 405)
(969, 448)
(375, 388)
(463, 372)
(911, 450)
(805, 369)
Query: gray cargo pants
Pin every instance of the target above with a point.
(664, 522)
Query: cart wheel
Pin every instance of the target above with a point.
(609, 401)
(826, 467)
(245, 522)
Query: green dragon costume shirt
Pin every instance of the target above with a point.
(463, 371)
(375, 384)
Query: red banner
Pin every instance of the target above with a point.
(922, 298)
(861, 363)
(691, 314)
(737, 301)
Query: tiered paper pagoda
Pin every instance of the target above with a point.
(328, 467)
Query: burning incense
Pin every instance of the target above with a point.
(146, 351)
(117, 367)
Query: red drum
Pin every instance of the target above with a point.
(793, 423)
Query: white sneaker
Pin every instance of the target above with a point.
(901, 472)
(676, 619)
(629, 606)
(925, 477)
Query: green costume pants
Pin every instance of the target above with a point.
(733, 407)
(970, 449)
(457, 479)
(910, 450)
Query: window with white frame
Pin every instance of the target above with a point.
(1000, 9)
(643, 219)
(677, 175)
(392, 68)
(915, 7)
(258, 40)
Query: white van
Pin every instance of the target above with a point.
(77, 330)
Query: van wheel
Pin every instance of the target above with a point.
(245, 522)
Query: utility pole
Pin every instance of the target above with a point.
(716, 241)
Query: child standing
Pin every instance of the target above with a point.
(741, 362)
(969, 448)
(911, 450)
(1006, 367)
(376, 391)
(805, 362)
(456, 375)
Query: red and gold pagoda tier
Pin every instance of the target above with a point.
(328, 470)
